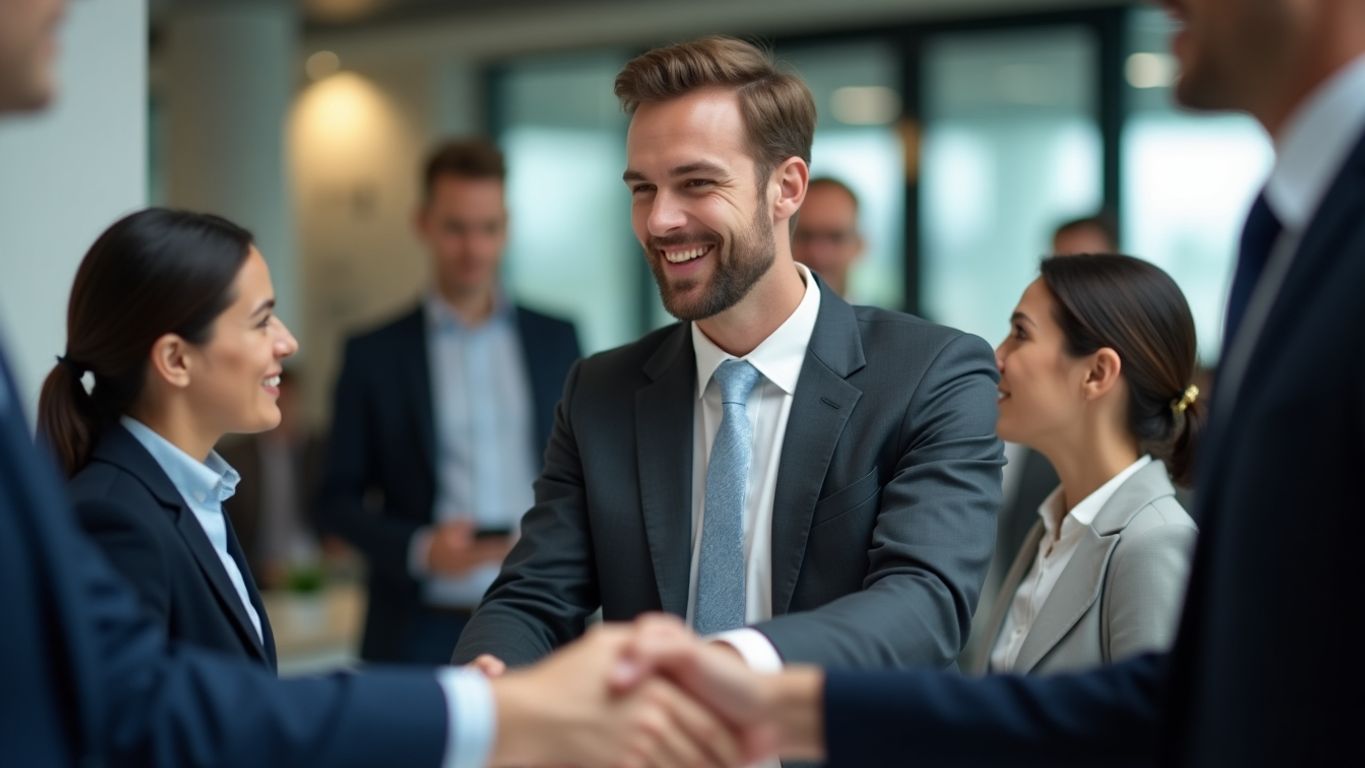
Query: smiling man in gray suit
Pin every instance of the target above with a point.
(802, 479)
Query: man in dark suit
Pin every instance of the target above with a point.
(1264, 668)
(806, 480)
(89, 680)
(441, 418)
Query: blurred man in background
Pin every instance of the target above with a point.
(441, 419)
(1097, 233)
(827, 238)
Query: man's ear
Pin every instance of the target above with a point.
(791, 179)
(1103, 373)
(169, 360)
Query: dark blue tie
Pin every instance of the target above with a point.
(1258, 238)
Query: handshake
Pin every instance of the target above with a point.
(651, 693)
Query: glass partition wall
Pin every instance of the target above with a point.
(966, 141)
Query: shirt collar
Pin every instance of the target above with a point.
(201, 482)
(780, 356)
(1315, 141)
(1084, 513)
(441, 317)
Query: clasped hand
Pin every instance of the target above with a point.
(637, 695)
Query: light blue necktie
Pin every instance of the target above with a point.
(720, 575)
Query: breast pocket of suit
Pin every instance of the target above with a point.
(857, 497)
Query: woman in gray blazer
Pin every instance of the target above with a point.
(1097, 375)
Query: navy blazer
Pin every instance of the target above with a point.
(130, 508)
(89, 678)
(1265, 667)
(383, 445)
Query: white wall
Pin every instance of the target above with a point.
(355, 146)
(226, 108)
(67, 174)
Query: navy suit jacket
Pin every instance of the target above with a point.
(89, 677)
(383, 440)
(1265, 668)
(131, 509)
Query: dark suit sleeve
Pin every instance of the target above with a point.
(934, 534)
(177, 706)
(547, 587)
(350, 472)
(1107, 716)
(132, 547)
(90, 678)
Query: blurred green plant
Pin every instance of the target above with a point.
(306, 579)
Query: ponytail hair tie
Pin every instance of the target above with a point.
(79, 369)
(1186, 399)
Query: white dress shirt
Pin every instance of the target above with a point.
(1309, 151)
(779, 359)
(1062, 533)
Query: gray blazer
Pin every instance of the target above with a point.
(1121, 592)
(883, 519)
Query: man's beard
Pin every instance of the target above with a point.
(735, 273)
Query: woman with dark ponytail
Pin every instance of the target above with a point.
(1097, 375)
(171, 344)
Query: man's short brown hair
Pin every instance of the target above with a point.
(472, 158)
(777, 107)
(833, 183)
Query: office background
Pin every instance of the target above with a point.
(969, 128)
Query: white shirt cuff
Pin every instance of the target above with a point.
(419, 547)
(754, 647)
(473, 717)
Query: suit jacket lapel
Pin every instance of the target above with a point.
(1004, 599)
(664, 412)
(1312, 264)
(1080, 584)
(416, 369)
(1077, 589)
(198, 542)
(117, 446)
(820, 409)
(545, 391)
(267, 640)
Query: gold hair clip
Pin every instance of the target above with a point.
(1186, 400)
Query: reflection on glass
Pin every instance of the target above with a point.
(1188, 181)
(857, 141)
(1011, 148)
(570, 250)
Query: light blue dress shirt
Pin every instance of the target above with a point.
(472, 714)
(485, 454)
(204, 486)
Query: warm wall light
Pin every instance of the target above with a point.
(322, 64)
(865, 105)
(1151, 70)
(337, 117)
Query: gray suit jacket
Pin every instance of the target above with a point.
(884, 513)
(1120, 594)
